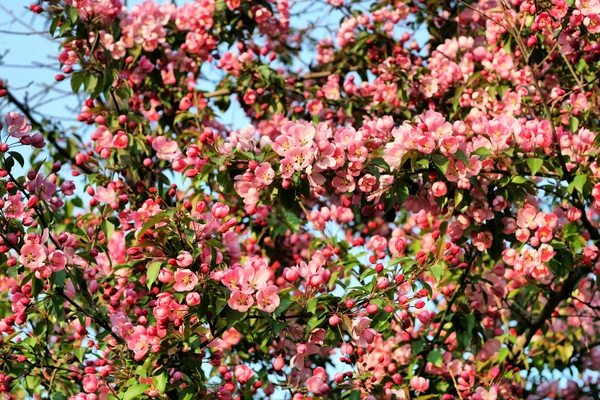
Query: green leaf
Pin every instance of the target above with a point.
(108, 229)
(441, 162)
(134, 391)
(366, 273)
(160, 381)
(152, 273)
(311, 305)
(63, 28)
(579, 181)
(437, 271)
(435, 357)
(18, 157)
(90, 82)
(54, 24)
(292, 220)
(151, 222)
(502, 354)
(458, 197)
(482, 152)
(58, 278)
(354, 395)
(534, 165)
(284, 305)
(233, 317)
(73, 15)
(187, 393)
(398, 260)
(518, 179)
(573, 124)
(464, 338)
(380, 162)
(417, 347)
(181, 116)
(36, 286)
(79, 353)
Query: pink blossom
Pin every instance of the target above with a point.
(90, 383)
(303, 350)
(42, 187)
(362, 334)
(166, 149)
(220, 210)
(184, 259)
(57, 260)
(264, 174)
(33, 255)
(243, 373)
(17, 125)
(120, 141)
(14, 207)
(105, 195)
(439, 189)
(185, 280)
(240, 301)
(419, 384)
(267, 299)
(317, 385)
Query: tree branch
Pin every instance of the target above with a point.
(38, 125)
(227, 92)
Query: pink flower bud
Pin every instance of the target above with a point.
(278, 363)
(334, 320)
(220, 210)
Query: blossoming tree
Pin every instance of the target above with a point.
(393, 223)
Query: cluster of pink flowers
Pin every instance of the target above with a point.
(249, 282)
(89, 9)
(141, 339)
(315, 274)
(37, 257)
(19, 128)
(320, 217)
(145, 25)
(531, 261)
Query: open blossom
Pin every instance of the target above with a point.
(303, 350)
(57, 260)
(42, 187)
(17, 125)
(240, 301)
(361, 331)
(105, 195)
(14, 207)
(243, 373)
(33, 255)
(166, 149)
(419, 383)
(140, 342)
(429, 220)
(267, 299)
(185, 280)
(486, 394)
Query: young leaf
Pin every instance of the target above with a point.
(135, 391)
(441, 162)
(534, 165)
(160, 381)
(152, 273)
(437, 270)
(579, 182)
